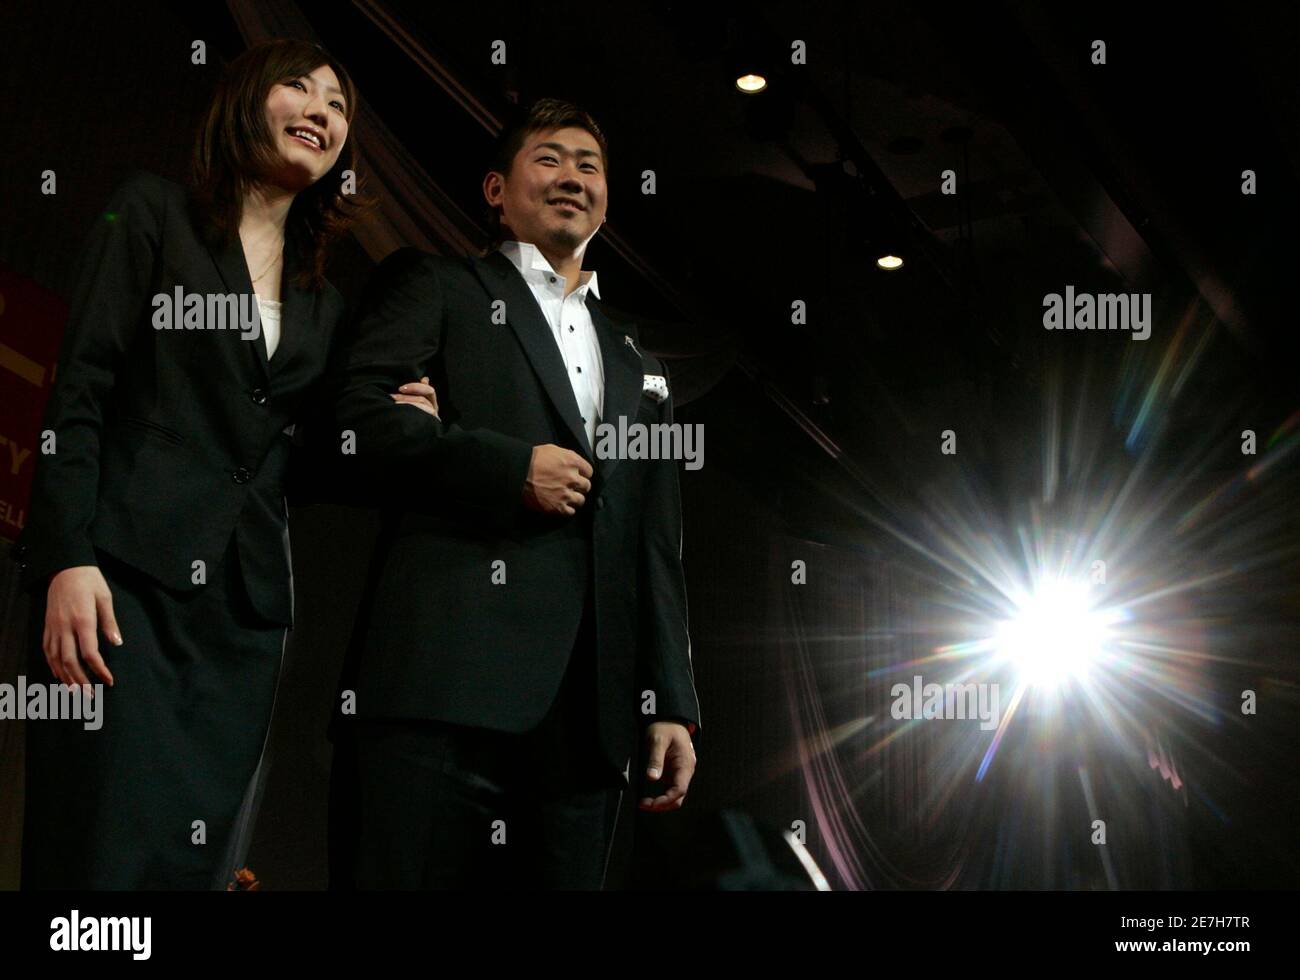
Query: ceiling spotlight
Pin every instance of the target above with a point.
(890, 262)
(751, 84)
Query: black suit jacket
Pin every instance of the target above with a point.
(169, 441)
(437, 638)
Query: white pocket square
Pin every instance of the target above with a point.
(655, 385)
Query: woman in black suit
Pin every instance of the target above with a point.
(199, 333)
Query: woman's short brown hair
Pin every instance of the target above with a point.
(235, 147)
(541, 115)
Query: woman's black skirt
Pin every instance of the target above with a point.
(161, 796)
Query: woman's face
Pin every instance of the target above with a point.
(307, 120)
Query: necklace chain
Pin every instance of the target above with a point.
(278, 257)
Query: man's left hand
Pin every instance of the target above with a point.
(671, 760)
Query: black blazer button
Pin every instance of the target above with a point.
(600, 503)
(259, 396)
(242, 475)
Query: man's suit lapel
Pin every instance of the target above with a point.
(229, 260)
(503, 282)
(623, 374)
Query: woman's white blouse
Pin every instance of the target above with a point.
(270, 313)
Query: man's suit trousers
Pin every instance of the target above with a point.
(455, 807)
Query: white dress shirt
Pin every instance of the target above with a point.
(571, 326)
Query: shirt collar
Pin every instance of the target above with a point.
(534, 267)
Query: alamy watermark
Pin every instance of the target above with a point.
(53, 701)
(1098, 311)
(659, 440)
(125, 933)
(180, 310)
(946, 701)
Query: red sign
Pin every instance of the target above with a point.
(31, 327)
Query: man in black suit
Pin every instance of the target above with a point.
(526, 607)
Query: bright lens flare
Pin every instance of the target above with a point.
(1055, 635)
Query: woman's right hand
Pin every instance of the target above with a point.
(78, 605)
(421, 395)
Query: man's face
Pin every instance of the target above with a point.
(555, 193)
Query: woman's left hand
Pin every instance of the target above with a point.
(420, 394)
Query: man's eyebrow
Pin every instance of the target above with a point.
(581, 151)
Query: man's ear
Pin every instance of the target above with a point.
(493, 188)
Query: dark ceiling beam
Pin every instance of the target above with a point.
(1106, 188)
(1152, 213)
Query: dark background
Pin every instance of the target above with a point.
(822, 439)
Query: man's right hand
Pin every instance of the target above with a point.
(78, 605)
(558, 480)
